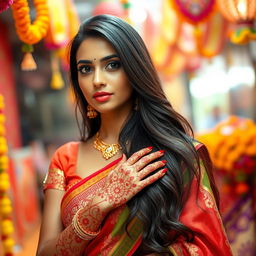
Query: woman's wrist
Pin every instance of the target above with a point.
(81, 230)
(89, 218)
(103, 204)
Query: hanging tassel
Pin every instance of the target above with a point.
(28, 63)
(57, 82)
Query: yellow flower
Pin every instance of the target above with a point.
(2, 118)
(5, 206)
(3, 149)
(4, 161)
(8, 245)
(4, 185)
(7, 227)
(2, 130)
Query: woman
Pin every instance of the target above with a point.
(137, 183)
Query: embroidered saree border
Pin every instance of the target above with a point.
(87, 182)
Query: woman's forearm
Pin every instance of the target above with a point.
(67, 243)
(74, 238)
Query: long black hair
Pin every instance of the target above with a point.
(153, 123)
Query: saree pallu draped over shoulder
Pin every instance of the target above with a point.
(113, 238)
(200, 213)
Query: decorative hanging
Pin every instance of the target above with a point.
(5, 4)
(29, 33)
(57, 37)
(176, 64)
(67, 23)
(242, 14)
(162, 49)
(112, 8)
(211, 36)
(194, 11)
(5, 203)
(64, 24)
(195, 14)
(57, 34)
(57, 82)
(126, 7)
(186, 41)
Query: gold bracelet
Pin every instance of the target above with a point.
(81, 232)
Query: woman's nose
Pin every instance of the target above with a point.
(98, 79)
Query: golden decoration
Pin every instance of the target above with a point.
(242, 14)
(27, 32)
(6, 222)
(107, 150)
(30, 33)
(91, 112)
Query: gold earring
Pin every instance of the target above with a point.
(91, 112)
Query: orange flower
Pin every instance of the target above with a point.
(27, 32)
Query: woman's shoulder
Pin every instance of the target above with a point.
(68, 147)
(66, 153)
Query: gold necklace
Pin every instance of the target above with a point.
(107, 150)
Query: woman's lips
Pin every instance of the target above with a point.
(102, 96)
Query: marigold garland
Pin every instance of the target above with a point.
(232, 146)
(5, 203)
(30, 33)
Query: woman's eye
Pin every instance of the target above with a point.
(84, 69)
(113, 65)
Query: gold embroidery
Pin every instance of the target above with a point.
(175, 250)
(192, 249)
(55, 179)
(210, 203)
(208, 200)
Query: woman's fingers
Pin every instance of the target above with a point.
(145, 160)
(150, 168)
(151, 179)
(136, 156)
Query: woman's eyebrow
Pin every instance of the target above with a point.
(102, 59)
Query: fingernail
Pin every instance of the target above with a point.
(164, 170)
(162, 151)
(149, 148)
(164, 161)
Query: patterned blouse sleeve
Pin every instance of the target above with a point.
(55, 178)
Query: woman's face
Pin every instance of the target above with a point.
(101, 76)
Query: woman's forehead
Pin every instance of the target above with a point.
(95, 47)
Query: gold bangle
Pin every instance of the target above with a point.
(81, 232)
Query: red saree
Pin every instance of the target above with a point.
(200, 215)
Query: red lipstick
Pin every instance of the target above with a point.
(102, 96)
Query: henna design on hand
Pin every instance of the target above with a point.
(69, 244)
(92, 216)
(130, 177)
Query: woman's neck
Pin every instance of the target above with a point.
(111, 125)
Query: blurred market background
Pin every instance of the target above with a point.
(205, 53)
